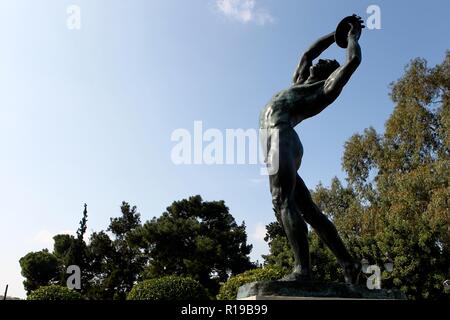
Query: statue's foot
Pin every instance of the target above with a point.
(351, 272)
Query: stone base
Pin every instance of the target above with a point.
(308, 290)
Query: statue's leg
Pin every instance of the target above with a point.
(282, 185)
(326, 230)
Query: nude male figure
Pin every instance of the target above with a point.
(314, 88)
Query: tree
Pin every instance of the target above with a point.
(192, 238)
(39, 269)
(116, 263)
(396, 200)
(70, 250)
(195, 238)
(44, 268)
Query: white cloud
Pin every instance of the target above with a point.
(244, 11)
(259, 233)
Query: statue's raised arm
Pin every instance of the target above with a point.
(301, 73)
(339, 78)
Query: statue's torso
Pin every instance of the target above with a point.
(293, 105)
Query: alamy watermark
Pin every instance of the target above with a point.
(73, 12)
(373, 273)
(74, 280)
(373, 21)
(229, 147)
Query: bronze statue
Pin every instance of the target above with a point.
(314, 88)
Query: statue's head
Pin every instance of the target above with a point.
(323, 69)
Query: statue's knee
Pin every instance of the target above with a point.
(277, 202)
(281, 202)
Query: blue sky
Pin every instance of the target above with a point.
(86, 115)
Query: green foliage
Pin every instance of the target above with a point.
(228, 290)
(70, 250)
(280, 255)
(323, 264)
(54, 293)
(397, 199)
(39, 269)
(63, 243)
(44, 268)
(83, 224)
(130, 220)
(109, 268)
(168, 288)
(116, 263)
(195, 238)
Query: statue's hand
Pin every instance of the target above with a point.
(356, 27)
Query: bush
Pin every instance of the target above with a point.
(168, 288)
(229, 290)
(54, 292)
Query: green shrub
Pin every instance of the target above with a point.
(168, 288)
(54, 292)
(229, 290)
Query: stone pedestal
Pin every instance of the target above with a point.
(308, 290)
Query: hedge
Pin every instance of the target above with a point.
(54, 292)
(229, 290)
(168, 288)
